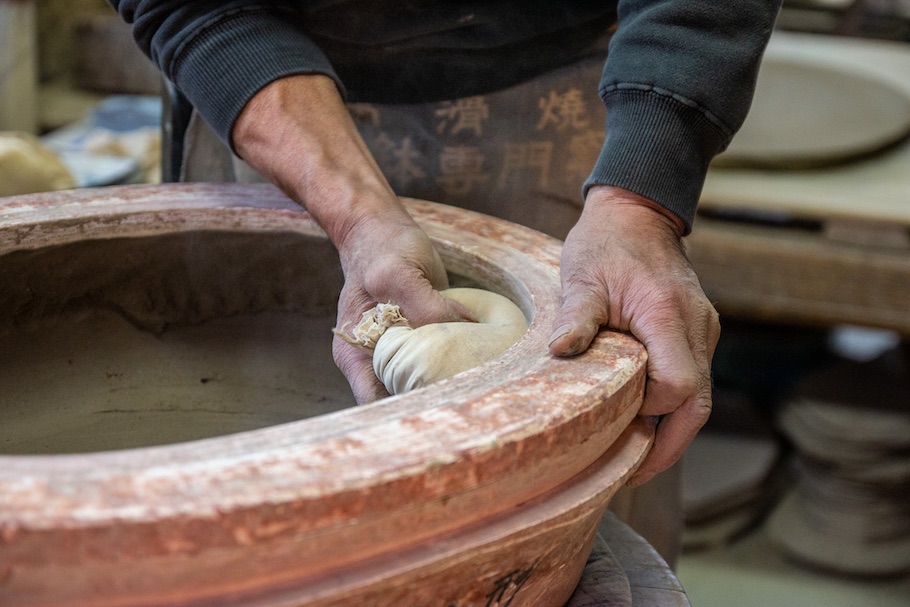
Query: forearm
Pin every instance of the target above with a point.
(298, 133)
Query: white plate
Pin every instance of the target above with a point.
(808, 113)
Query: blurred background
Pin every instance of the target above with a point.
(798, 490)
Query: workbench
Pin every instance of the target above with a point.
(822, 246)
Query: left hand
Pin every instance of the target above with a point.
(624, 268)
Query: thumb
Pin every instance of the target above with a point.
(582, 313)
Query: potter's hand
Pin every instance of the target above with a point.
(387, 261)
(623, 267)
(298, 133)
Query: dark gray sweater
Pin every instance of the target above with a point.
(677, 82)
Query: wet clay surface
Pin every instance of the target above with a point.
(182, 278)
(123, 343)
(95, 382)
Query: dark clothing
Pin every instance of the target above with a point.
(677, 82)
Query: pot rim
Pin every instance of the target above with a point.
(476, 442)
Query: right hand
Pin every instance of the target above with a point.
(298, 133)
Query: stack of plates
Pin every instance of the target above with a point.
(850, 508)
(727, 486)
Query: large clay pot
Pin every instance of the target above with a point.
(483, 489)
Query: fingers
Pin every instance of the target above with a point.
(408, 273)
(674, 433)
(679, 385)
(357, 366)
(674, 373)
(682, 393)
(431, 307)
(407, 276)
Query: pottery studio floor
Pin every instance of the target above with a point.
(751, 572)
(756, 458)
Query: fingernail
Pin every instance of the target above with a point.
(560, 333)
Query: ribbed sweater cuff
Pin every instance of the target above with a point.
(659, 146)
(234, 58)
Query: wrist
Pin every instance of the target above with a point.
(619, 200)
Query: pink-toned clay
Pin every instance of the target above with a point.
(490, 482)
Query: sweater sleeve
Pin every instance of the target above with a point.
(221, 53)
(677, 84)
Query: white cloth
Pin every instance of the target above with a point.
(407, 358)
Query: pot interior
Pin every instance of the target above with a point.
(141, 341)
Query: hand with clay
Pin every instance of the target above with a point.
(410, 273)
(624, 268)
(298, 132)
